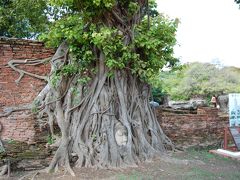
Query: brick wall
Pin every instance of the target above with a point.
(204, 128)
(184, 129)
(20, 125)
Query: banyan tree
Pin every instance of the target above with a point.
(98, 92)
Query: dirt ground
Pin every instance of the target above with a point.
(201, 165)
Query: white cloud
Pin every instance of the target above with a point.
(209, 29)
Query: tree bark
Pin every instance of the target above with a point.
(109, 123)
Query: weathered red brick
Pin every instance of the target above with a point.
(193, 129)
(19, 125)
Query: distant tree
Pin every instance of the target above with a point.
(23, 18)
(237, 1)
(200, 79)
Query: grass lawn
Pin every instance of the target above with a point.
(213, 167)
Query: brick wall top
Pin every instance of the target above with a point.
(204, 128)
(16, 41)
(207, 111)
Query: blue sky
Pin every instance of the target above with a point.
(209, 30)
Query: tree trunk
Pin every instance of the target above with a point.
(107, 122)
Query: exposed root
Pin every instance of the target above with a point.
(2, 149)
(9, 110)
(4, 170)
(32, 175)
(107, 123)
(29, 62)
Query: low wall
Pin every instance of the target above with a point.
(202, 129)
(20, 125)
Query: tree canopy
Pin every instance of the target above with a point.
(23, 18)
(90, 23)
(200, 79)
(237, 1)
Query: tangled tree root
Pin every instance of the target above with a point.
(107, 122)
(5, 168)
(27, 62)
